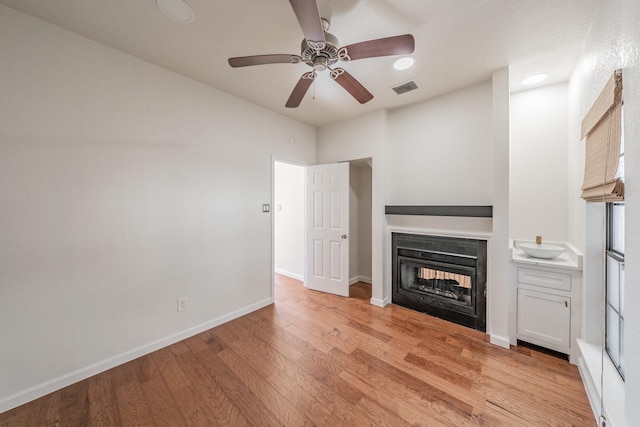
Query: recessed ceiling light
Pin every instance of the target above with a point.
(403, 63)
(536, 78)
(177, 10)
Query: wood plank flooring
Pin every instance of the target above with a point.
(317, 359)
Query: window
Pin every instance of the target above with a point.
(614, 320)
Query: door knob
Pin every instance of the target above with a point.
(344, 236)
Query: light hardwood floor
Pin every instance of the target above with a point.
(318, 359)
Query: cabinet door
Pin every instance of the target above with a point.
(544, 317)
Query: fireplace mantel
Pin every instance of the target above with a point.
(438, 210)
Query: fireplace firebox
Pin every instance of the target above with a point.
(441, 276)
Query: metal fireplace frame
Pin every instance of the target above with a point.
(453, 254)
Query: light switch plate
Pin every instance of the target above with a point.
(266, 207)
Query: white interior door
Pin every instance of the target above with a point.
(327, 252)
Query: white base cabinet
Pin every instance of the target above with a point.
(546, 303)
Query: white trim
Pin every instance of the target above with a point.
(590, 387)
(47, 387)
(479, 235)
(379, 302)
(296, 276)
(590, 366)
(499, 341)
(357, 279)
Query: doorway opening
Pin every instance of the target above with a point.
(290, 222)
(360, 226)
(289, 219)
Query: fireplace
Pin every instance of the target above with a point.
(441, 276)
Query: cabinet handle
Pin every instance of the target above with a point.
(566, 304)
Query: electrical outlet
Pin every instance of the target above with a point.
(182, 304)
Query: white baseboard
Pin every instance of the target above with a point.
(357, 279)
(289, 274)
(499, 341)
(47, 387)
(379, 302)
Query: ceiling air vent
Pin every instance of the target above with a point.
(406, 87)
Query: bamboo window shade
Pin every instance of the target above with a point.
(602, 127)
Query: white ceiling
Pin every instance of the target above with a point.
(458, 43)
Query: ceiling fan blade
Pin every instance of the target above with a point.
(351, 85)
(309, 19)
(397, 45)
(245, 61)
(300, 90)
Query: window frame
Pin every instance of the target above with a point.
(616, 255)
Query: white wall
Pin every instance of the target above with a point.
(124, 187)
(538, 191)
(632, 237)
(360, 223)
(353, 139)
(613, 42)
(439, 151)
(289, 222)
(498, 286)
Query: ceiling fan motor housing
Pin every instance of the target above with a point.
(321, 59)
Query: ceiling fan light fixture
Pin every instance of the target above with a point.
(177, 10)
(403, 63)
(536, 78)
(320, 63)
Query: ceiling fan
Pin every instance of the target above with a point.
(320, 50)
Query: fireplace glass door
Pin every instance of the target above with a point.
(439, 283)
(440, 280)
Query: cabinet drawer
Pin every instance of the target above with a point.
(547, 279)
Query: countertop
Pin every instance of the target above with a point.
(570, 259)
